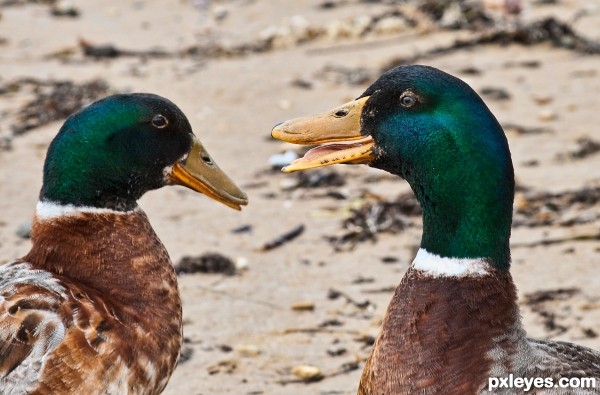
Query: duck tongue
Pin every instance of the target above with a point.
(351, 152)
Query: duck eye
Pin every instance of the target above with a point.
(408, 100)
(341, 113)
(159, 121)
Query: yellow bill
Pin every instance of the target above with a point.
(338, 132)
(200, 173)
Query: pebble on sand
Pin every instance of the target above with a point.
(307, 372)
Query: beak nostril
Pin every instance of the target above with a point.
(207, 159)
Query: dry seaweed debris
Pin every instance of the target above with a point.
(448, 14)
(315, 179)
(282, 239)
(525, 130)
(186, 354)
(533, 208)
(548, 30)
(111, 51)
(494, 93)
(576, 236)
(461, 14)
(206, 263)
(54, 100)
(293, 32)
(377, 216)
(427, 16)
(538, 302)
(5, 3)
(298, 31)
(584, 147)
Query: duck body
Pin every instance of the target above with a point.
(453, 323)
(94, 307)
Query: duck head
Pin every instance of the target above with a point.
(110, 153)
(433, 130)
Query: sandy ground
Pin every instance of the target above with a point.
(241, 332)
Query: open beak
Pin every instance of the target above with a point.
(199, 172)
(338, 132)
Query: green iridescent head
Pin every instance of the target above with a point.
(110, 153)
(433, 130)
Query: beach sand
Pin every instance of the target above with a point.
(236, 68)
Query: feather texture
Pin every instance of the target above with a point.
(100, 315)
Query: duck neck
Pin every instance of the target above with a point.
(467, 216)
(82, 191)
(112, 252)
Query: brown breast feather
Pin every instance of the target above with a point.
(93, 308)
(446, 335)
(436, 334)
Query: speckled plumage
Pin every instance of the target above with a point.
(102, 314)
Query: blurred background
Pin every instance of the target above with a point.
(287, 296)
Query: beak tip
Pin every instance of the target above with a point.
(244, 202)
(275, 129)
(282, 131)
(237, 206)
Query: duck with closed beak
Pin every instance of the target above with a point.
(94, 307)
